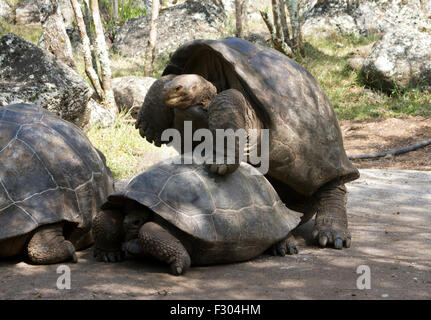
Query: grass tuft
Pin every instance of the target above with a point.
(326, 59)
(127, 153)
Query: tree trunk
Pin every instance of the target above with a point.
(115, 10)
(102, 53)
(88, 23)
(54, 32)
(279, 44)
(295, 23)
(244, 6)
(283, 19)
(150, 51)
(279, 33)
(238, 18)
(85, 41)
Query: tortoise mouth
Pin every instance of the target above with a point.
(173, 101)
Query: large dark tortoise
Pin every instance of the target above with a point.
(184, 214)
(231, 83)
(52, 183)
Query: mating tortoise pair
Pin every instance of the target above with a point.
(227, 84)
(232, 84)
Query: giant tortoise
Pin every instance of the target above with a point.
(233, 84)
(184, 214)
(52, 183)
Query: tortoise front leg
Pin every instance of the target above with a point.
(47, 245)
(108, 235)
(331, 225)
(162, 245)
(230, 110)
(155, 116)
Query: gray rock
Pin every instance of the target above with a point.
(32, 75)
(401, 59)
(28, 12)
(370, 16)
(67, 12)
(260, 38)
(5, 9)
(176, 25)
(130, 92)
(358, 56)
(100, 116)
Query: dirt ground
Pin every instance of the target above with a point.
(390, 222)
(365, 137)
(389, 218)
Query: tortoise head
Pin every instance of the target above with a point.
(133, 221)
(188, 90)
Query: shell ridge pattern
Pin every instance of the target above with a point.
(37, 156)
(253, 204)
(214, 227)
(13, 139)
(29, 197)
(126, 195)
(93, 174)
(7, 194)
(164, 185)
(39, 193)
(85, 183)
(31, 217)
(167, 180)
(206, 188)
(71, 147)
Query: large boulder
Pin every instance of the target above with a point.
(367, 17)
(130, 92)
(401, 59)
(27, 12)
(33, 75)
(100, 116)
(358, 56)
(176, 25)
(5, 9)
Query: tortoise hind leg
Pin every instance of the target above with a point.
(286, 246)
(108, 235)
(81, 239)
(331, 217)
(162, 245)
(48, 245)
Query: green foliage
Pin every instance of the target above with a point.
(127, 9)
(29, 33)
(326, 59)
(127, 153)
(130, 11)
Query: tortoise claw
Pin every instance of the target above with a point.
(108, 256)
(285, 246)
(327, 236)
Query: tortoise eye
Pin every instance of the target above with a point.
(178, 88)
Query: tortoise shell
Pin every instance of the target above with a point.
(49, 172)
(306, 146)
(241, 209)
